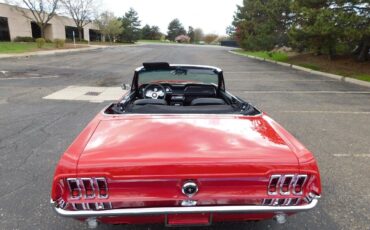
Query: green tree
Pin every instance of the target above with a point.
(329, 26)
(155, 33)
(175, 28)
(191, 34)
(151, 32)
(146, 32)
(262, 24)
(131, 27)
(109, 25)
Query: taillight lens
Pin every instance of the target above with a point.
(74, 188)
(286, 184)
(299, 184)
(102, 187)
(87, 187)
(273, 185)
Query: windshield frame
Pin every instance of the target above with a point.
(218, 72)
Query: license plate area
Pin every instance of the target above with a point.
(191, 219)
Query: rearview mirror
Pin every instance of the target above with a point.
(126, 86)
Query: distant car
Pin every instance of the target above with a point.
(179, 149)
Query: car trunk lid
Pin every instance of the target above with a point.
(165, 146)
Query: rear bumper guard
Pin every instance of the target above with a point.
(184, 210)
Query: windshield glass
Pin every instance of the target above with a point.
(179, 76)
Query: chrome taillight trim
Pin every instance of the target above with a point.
(91, 181)
(282, 182)
(296, 183)
(82, 191)
(106, 187)
(277, 181)
(267, 201)
(272, 178)
(287, 201)
(74, 180)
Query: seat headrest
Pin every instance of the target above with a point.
(150, 102)
(207, 101)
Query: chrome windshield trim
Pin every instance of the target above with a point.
(182, 210)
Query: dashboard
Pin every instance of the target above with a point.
(181, 94)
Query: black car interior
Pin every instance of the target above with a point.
(168, 97)
(178, 99)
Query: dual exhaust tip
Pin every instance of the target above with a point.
(281, 218)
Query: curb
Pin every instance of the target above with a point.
(46, 53)
(323, 74)
(55, 52)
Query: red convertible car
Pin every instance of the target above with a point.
(179, 149)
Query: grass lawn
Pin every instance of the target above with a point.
(363, 77)
(276, 56)
(21, 47)
(342, 65)
(153, 41)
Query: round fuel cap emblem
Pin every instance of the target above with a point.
(189, 188)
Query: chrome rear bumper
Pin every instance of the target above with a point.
(182, 210)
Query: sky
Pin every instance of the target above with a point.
(213, 16)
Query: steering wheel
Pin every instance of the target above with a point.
(154, 91)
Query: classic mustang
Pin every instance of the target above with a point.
(179, 149)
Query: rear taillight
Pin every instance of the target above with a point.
(102, 187)
(74, 188)
(88, 187)
(273, 185)
(286, 184)
(299, 184)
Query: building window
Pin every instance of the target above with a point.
(4, 29)
(36, 31)
(69, 33)
(95, 35)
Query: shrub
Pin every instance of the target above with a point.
(78, 41)
(82, 41)
(24, 39)
(182, 39)
(40, 42)
(59, 43)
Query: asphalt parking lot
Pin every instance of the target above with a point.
(330, 117)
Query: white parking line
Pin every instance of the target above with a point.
(352, 155)
(326, 112)
(306, 92)
(241, 72)
(275, 80)
(27, 78)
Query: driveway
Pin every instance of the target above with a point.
(330, 117)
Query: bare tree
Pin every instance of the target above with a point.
(198, 35)
(81, 11)
(39, 11)
(109, 25)
(209, 38)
